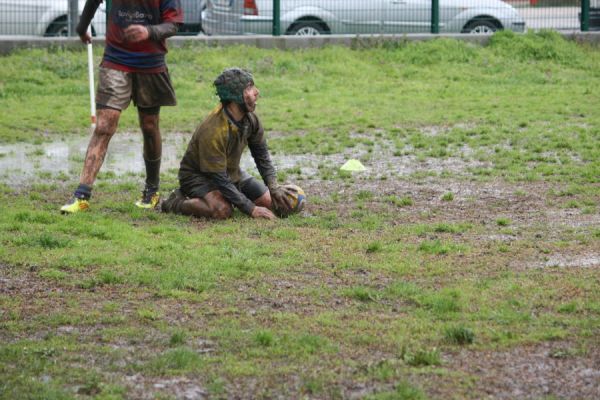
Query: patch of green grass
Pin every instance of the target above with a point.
(449, 196)
(568, 308)
(374, 247)
(264, 338)
(442, 302)
(459, 334)
(53, 274)
(179, 360)
(109, 277)
(313, 385)
(421, 357)
(437, 247)
(503, 222)
(402, 391)
(399, 201)
(451, 228)
(177, 338)
(364, 195)
(562, 353)
(148, 314)
(360, 293)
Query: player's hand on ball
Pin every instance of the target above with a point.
(262, 212)
(287, 200)
(282, 196)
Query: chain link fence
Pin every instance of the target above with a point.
(321, 17)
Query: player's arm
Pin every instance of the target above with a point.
(138, 33)
(89, 10)
(170, 19)
(237, 198)
(262, 159)
(260, 153)
(162, 31)
(231, 193)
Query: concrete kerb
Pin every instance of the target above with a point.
(11, 43)
(296, 42)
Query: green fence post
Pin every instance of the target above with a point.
(73, 17)
(585, 15)
(276, 18)
(435, 16)
(107, 13)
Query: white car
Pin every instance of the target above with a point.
(43, 18)
(318, 17)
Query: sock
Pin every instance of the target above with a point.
(174, 202)
(152, 174)
(83, 192)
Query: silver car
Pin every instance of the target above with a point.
(192, 16)
(50, 17)
(43, 17)
(319, 17)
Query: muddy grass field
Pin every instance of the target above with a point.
(390, 288)
(462, 264)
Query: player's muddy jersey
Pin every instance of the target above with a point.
(217, 145)
(145, 56)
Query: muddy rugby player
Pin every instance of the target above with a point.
(133, 68)
(211, 180)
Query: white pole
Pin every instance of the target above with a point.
(91, 81)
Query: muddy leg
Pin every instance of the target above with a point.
(213, 205)
(106, 126)
(152, 145)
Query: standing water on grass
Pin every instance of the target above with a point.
(63, 159)
(22, 162)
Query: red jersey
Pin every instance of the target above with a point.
(145, 56)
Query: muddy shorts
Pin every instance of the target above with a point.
(199, 186)
(117, 88)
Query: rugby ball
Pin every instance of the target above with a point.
(298, 200)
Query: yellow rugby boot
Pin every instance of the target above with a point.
(148, 200)
(75, 205)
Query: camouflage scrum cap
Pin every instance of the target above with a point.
(231, 84)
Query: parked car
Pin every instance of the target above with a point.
(43, 18)
(319, 17)
(50, 17)
(192, 16)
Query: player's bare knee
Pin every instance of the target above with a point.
(104, 131)
(149, 124)
(192, 207)
(222, 210)
(264, 200)
(150, 130)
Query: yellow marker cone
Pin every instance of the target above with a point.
(353, 165)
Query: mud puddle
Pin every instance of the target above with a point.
(573, 261)
(22, 162)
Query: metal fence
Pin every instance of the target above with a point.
(315, 17)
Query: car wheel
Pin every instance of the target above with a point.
(58, 27)
(307, 28)
(481, 25)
